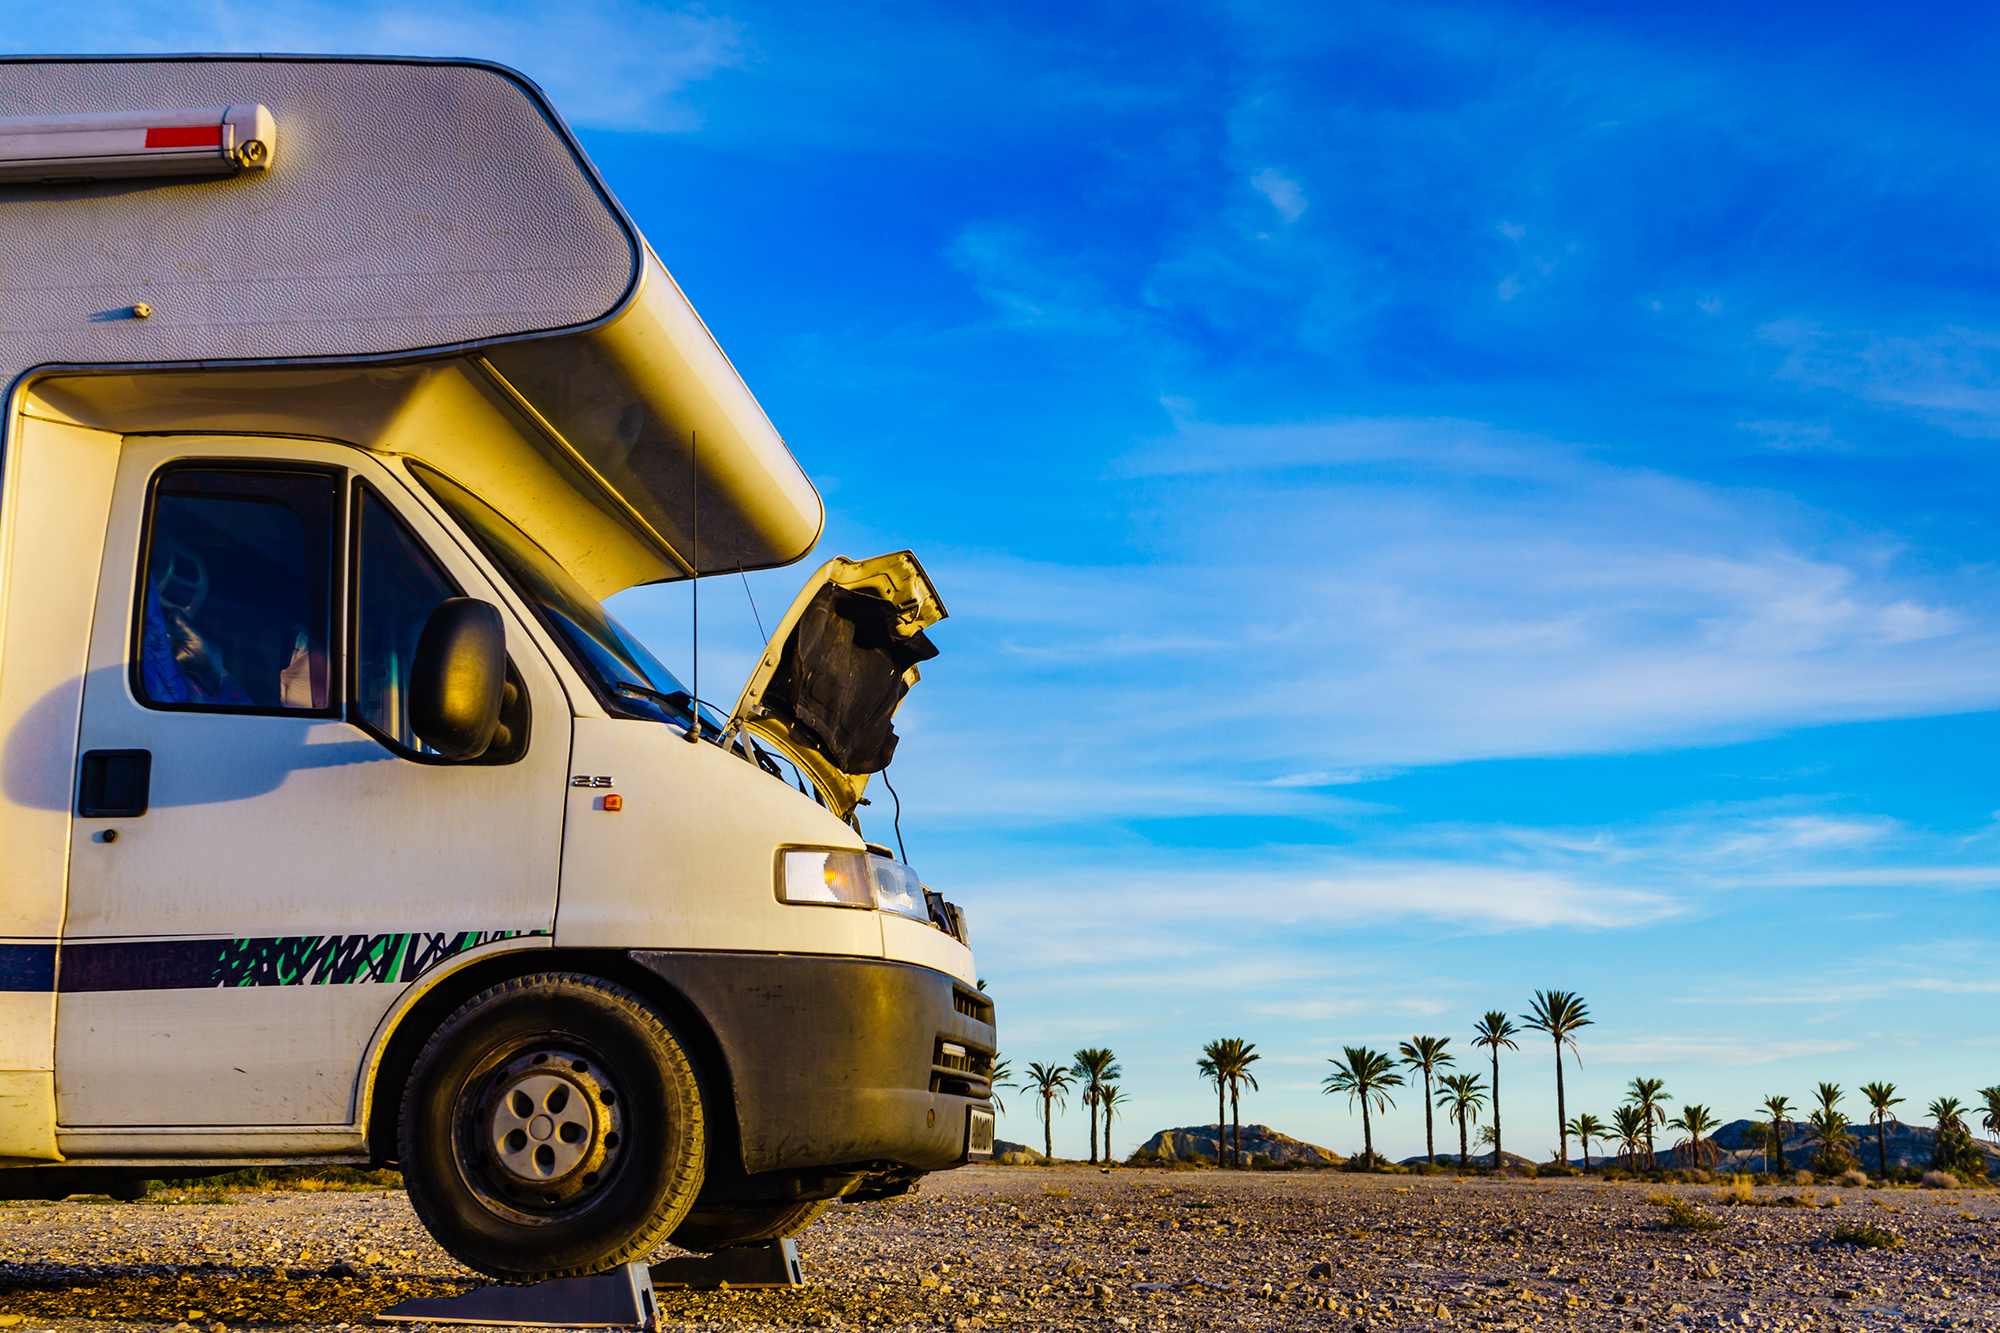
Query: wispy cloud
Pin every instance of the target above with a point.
(1728, 1053)
(612, 63)
(1948, 376)
(1283, 192)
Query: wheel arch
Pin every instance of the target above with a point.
(382, 1109)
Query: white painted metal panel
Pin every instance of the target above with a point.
(55, 492)
(690, 862)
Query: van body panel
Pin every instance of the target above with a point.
(646, 401)
(223, 1056)
(55, 493)
(28, 1114)
(242, 1145)
(293, 871)
(482, 219)
(690, 861)
(484, 228)
(923, 944)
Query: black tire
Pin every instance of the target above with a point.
(552, 1127)
(707, 1230)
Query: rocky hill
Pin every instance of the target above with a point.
(1192, 1143)
(1741, 1142)
(1015, 1154)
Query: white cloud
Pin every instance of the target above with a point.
(1284, 193)
(1368, 594)
(1949, 377)
(614, 63)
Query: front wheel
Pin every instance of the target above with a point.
(552, 1127)
(707, 1230)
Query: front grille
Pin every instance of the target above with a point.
(973, 1005)
(961, 1070)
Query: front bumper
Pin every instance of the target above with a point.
(842, 1061)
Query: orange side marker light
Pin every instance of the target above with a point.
(613, 803)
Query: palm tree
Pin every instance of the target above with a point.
(1095, 1066)
(1211, 1069)
(1826, 1130)
(1649, 1094)
(1827, 1127)
(1991, 1120)
(1953, 1138)
(1587, 1127)
(1232, 1057)
(1695, 1120)
(1630, 1123)
(1108, 1098)
(1780, 1110)
(1048, 1082)
(1365, 1074)
(1559, 1013)
(1881, 1096)
(1427, 1054)
(1493, 1031)
(1461, 1098)
(1002, 1071)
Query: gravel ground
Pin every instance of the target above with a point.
(1073, 1248)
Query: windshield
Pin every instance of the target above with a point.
(631, 677)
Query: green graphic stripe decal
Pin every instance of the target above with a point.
(283, 960)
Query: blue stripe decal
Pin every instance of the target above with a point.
(29, 967)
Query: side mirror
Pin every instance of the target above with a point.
(458, 678)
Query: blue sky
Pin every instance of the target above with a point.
(1435, 501)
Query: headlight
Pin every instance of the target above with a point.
(853, 879)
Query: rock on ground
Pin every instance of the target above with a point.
(991, 1248)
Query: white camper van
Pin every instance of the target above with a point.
(339, 822)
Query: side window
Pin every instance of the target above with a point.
(236, 609)
(397, 586)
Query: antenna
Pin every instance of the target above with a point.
(694, 589)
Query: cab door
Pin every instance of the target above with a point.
(264, 854)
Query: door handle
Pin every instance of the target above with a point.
(115, 784)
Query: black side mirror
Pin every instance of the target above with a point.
(458, 678)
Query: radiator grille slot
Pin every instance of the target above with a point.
(973, 1005)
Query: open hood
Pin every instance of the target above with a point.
(828, 685)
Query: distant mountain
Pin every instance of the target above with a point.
(1742, 1147)
(1192, 1142)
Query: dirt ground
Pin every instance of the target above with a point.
(1074, 1248)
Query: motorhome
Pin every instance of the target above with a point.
(339, 821)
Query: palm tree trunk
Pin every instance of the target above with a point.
(1430, 1143)
(1221, 1124)
(1367, 1134)
(1461, 1141)
(1882, 1146)
(1236, 1121)
(1093, 1124)
(1496, 1108)
(1048, 1130)
(1562, 1120)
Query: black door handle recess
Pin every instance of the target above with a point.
(115, 784)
